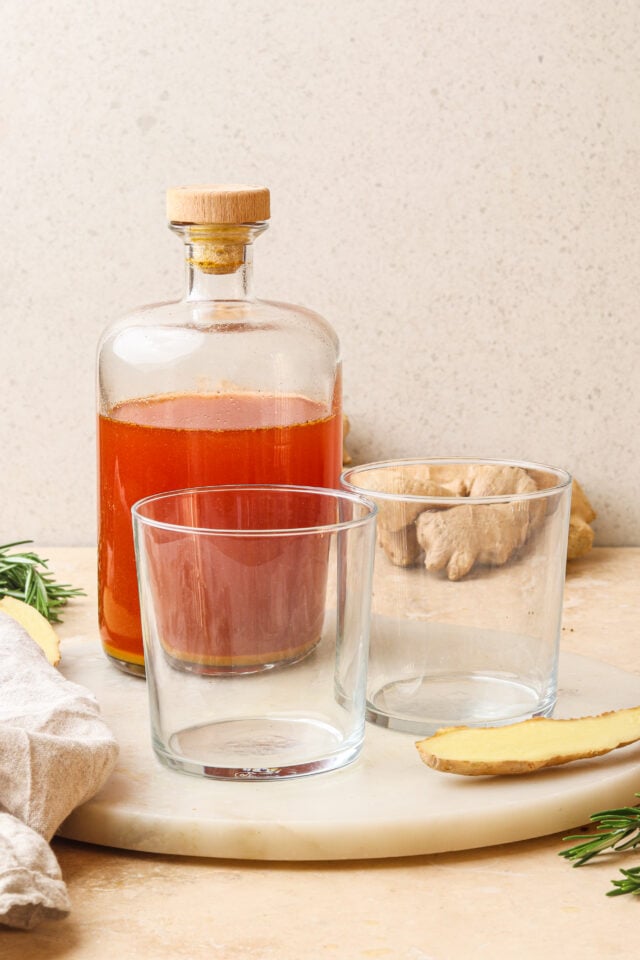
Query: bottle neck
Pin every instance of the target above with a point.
(202, 283)
(219, 259)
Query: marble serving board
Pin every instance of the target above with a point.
(386, 804)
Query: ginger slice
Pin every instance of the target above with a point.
(530, 745)
(37, 626)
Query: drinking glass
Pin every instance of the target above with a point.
(255, 608)
(467, 591)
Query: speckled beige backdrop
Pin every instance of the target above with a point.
(455, 186)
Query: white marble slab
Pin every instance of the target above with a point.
(386, 804)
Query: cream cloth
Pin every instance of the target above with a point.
(55, 753)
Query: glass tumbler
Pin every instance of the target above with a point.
(255, 606)
(467, 592)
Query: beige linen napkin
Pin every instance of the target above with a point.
(55, 753)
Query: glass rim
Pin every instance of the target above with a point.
(563, 477)
(335, 493)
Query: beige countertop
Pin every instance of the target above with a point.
(519, 900)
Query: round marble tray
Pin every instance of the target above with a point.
(386, 804)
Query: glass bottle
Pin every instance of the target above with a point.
(215, 388)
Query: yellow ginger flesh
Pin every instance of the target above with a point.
(37, 626)
(530, 745)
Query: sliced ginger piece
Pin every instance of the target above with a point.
(530, 745)
(37, 626)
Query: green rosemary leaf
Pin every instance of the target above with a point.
(629, 884)
(618, 831)
(26, 576)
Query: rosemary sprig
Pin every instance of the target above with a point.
(25, 575)
(630, 883)
(618, 830)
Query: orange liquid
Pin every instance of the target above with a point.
(188, 440)
(225, 603)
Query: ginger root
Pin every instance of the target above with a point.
(396, 519)
(488, 534)
(453, 536)
(489, 480)
(530, 745)
(458, 539)
(457, 536)
(580, 533)
(346, 426)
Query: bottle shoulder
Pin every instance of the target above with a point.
(186, 346)
(296, 315)
(223, 317)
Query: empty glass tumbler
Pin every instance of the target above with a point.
(255, 615)
(467, 592)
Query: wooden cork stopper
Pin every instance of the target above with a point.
(218, 203)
